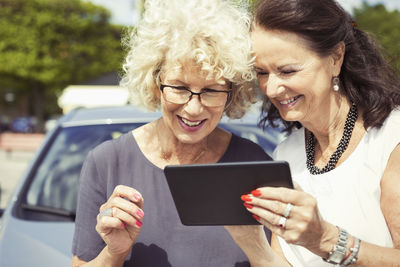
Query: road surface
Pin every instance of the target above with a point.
(12, 166)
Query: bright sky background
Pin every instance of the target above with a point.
(123, 11)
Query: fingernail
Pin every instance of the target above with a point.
(124, 225)
(247, 205)
(256, 217)
(136, 196)
(246, 198)
(256, 193)
(140, 213)
(139, 223)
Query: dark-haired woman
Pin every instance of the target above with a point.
(326, 81)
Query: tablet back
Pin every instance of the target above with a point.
(209, 194)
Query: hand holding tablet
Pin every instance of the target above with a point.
(209, 194)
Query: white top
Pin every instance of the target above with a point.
(349, 195)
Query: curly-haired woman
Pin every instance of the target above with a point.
(192, 60)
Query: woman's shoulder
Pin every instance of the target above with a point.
(294, 138)
(242, 142)
(394, 116)
(378, 143)
(111, 148)
(246, 149)
(390, 125)
(114, 156)
(387, 135)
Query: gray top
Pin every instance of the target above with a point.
(163, 240)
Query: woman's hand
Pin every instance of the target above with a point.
(302, 226)
(248, 235)
(253, 241)
(120, 226)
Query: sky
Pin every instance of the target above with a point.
(123, 11)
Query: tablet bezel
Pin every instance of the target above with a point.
(209, 194)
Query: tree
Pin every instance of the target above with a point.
(48, 44)
(385, 26)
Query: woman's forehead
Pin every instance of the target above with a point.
(186, 68)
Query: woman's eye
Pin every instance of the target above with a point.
(260, 73)
(286, 72)
(179, 88)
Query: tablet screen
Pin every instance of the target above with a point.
(209, 194)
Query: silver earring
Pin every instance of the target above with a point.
(335, 82)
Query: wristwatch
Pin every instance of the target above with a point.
(338, 253)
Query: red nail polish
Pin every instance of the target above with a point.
(139, 223)
(256, 193)
(246, 198)
(140, 213)
(124, 225)
(136, 196)
(247, 205)
(256, 217)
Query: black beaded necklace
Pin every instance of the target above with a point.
(344, 142)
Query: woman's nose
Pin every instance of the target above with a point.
(275, 91)
(273, 87)
(194, 105)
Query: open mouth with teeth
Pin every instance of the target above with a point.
(191, 123)
(289, 101)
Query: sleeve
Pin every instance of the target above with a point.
(382, 142)
(282, 146)
(392, 136)
(87, 244)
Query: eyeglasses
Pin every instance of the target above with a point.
(182, 95)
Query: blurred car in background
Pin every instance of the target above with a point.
(4, 123)
(51, 122)
(23, 124)
(37, 227)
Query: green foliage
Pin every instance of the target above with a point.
(385, 26)
(49, 44)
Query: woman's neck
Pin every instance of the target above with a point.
(328, 128)
(327, 138)
(172, 151)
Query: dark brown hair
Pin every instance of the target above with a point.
(366, 77)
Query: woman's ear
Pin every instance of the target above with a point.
(157, 83)
(157, 93)
(337, 57)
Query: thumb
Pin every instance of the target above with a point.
(297, 186)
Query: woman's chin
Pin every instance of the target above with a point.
(289, 116)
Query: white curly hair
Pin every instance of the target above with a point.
(212, 34)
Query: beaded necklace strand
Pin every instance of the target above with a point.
(344, 142)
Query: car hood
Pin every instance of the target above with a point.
(28, 243)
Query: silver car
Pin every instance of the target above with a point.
(36, 228)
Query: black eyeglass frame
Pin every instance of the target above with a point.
(203, 90)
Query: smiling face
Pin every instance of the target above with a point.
(296, 80)
(190, 123)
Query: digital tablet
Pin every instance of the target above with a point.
(209, 194)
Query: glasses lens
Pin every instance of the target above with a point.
(214, 99)
(176, 95)
(181, 95)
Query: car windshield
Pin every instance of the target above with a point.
(54, 187)
(55, 182)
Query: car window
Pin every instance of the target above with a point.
(54, 188)
(55, 182)
(267, 139)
